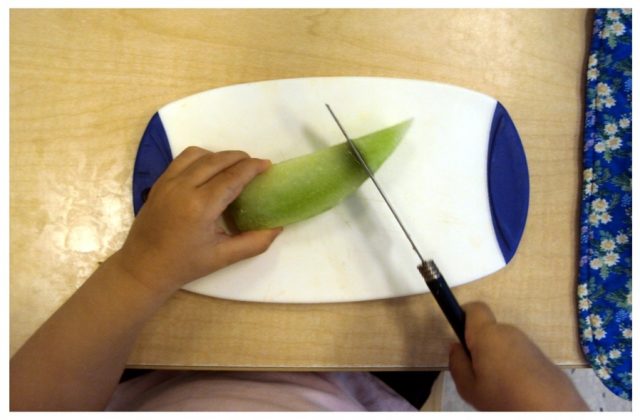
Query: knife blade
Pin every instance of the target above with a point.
(427, 268)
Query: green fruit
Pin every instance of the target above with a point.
(299, 188)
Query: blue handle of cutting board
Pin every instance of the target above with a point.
(508, 177)
(154, 155)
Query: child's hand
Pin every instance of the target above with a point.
(176, 237)
(507, 371)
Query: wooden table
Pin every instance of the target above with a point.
(84, 83)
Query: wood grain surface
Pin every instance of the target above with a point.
(84, 83)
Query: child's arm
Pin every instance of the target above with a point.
(74, 361)
(507, 371)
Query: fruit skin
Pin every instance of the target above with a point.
(302, 187)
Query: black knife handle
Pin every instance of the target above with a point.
(445, 299)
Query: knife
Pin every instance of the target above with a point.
(427, 268)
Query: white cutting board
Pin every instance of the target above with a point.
(437, 179)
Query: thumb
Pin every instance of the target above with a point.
(245, 245)
(461, 371)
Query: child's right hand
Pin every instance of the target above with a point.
(507, 371)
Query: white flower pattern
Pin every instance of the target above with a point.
(604, 286)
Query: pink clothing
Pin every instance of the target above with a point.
(256, 391)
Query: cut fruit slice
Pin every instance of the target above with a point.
(302, 187)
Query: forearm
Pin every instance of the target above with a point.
(74, 361)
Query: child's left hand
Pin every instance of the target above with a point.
(176, 237)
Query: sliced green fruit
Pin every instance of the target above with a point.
(302, 187)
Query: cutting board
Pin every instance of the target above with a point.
(459, 182)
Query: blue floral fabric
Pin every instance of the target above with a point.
(604, 285)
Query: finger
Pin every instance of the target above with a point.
(461, 370)
(210, 164)
(245, 245)
(183, 160)
(225, 186)
(478, 315)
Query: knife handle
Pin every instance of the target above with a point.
(445, 299)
